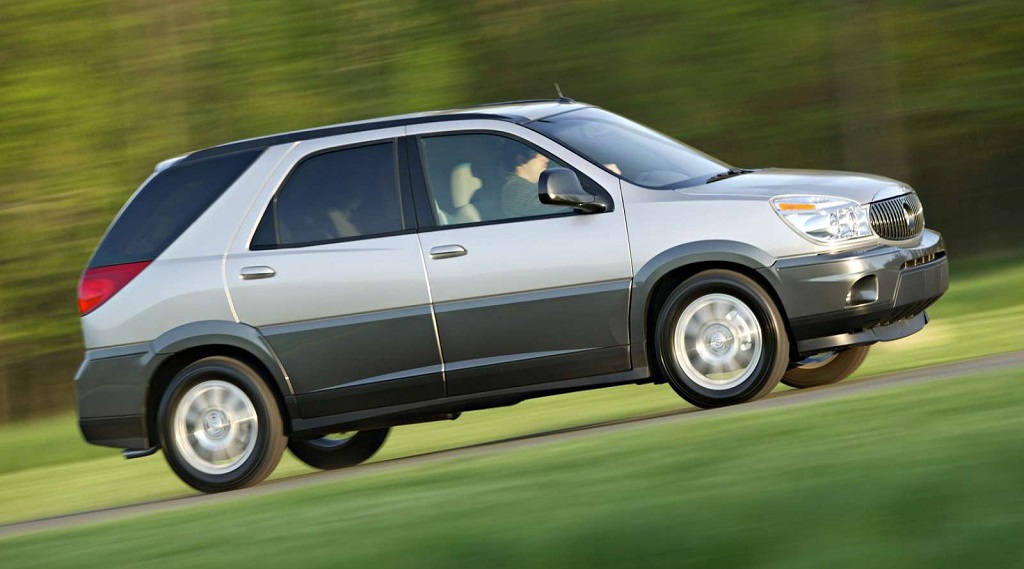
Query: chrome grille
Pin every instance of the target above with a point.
(897, 218)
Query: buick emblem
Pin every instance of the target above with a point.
(908, 214)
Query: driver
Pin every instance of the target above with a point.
(518, 196)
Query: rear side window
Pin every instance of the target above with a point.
(335, 196)
(167, 205)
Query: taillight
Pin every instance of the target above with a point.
(100, 284)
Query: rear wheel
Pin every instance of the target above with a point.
(338, 450)
(721, 340)
(220, 427)
(824, 369)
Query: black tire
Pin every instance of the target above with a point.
(326, 453)
(834, 370)
(255, 463)
(773, 355)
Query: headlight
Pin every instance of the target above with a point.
(824, 219)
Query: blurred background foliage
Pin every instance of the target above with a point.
(94, 93)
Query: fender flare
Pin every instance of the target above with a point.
(221, 332)
(647, 277)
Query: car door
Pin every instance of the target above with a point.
(523, 293)
(327, 266)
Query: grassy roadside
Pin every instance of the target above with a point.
(979, 315)
(924, 475)
(46, 469)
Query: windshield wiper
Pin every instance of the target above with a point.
(727, 174)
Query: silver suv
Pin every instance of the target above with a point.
(312, 289)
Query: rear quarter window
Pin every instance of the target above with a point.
(167, 205)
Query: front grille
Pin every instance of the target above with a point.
(897, 218)
(909, 311)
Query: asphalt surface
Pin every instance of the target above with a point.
(787, 398)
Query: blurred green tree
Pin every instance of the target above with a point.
(93, 93)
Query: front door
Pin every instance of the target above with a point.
(523, 293)
(328, 268)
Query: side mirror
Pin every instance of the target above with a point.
(561, 186)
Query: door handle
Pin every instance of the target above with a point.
(447, 251)
(250, 273)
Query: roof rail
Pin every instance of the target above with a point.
(520, 102)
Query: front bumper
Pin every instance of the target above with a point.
(860, 297)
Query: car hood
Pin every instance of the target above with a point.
(771, 182)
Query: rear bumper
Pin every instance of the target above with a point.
(862, 297)
(118, 432)
(110, 393)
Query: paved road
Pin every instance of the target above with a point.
(780, 399)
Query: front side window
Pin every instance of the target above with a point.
(637, 153)
(334, 196)
(484, 177)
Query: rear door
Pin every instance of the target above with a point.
(327, 266)
(523, 293)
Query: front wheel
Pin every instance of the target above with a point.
(338, 450)
(721, 340)
(824, 369)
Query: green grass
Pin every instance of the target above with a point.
(919, 476)
(47, 469)
(109, 480)
(44, 442)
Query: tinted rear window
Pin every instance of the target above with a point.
(351, 193)
(167, 205)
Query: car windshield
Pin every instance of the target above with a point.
(640, 155)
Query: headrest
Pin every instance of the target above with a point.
(464, 184)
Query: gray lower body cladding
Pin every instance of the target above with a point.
(534, 337)
(129, 431)
(364, 362)
(847, 299)
(365, 366)
(112, 384)
(360, 361)
(110, 390)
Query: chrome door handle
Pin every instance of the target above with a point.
(447, 251)
(250, 273)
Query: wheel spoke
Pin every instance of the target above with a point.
(701, 364)
(713, 368)
(692, 332)
(220, 454)
(743, 360)
(217, 398)
(204, 452)
(204, 399)
(703, 315)
(192, 417)
(720, 310)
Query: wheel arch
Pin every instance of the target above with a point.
(176, 349)
(656, 279)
